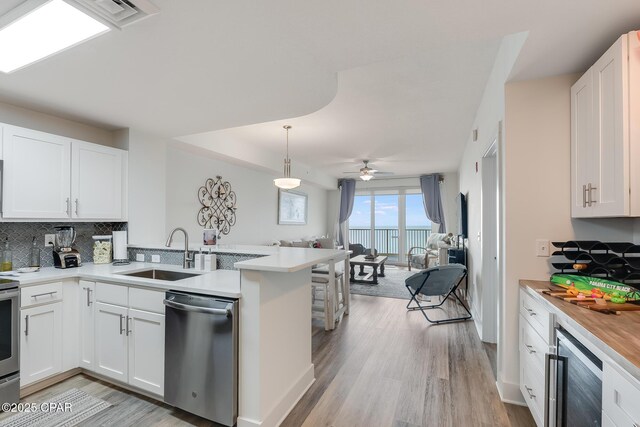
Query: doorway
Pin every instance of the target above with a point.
(489, 244)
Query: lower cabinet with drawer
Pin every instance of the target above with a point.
(534, 336)
(129, 336)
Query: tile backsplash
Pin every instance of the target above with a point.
(21, 234)
(224, 260)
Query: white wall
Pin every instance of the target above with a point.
(164, 178)
(147, 188)
(537, 192)
(257, 199)
(30, 119)
(490, 113)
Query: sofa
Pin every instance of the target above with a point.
(432, 254)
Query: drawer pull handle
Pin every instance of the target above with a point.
(530, 348)
(529, 391)
(531, 312)
(46, 293)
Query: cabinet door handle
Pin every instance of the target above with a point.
(128, 330)
(529, 391)
(68, 207)
(121, 329)
(26, 325)
(584, 196)
(77, 207)
(52, 293)
(589, 190)
(530, 348)
(88, 296)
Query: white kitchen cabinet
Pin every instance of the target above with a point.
(620, 395)
(40, 342)
(87, 325)
(36, 174)
(97, 177)
(111, 341)
(129, 342)
(146, 350)
(50, 177)
(534, 337)
(605, 146)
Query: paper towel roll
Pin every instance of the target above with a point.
(120, 245)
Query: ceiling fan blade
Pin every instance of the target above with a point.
(384, 173)
(351, 172)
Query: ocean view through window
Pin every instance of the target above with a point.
(389, 221)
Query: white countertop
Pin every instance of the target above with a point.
(287, 260)
(224, 283)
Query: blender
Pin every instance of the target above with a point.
(64, 254)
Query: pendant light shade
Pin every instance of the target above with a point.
(286, 182)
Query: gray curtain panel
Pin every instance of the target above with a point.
(430, 186)
(347, 195)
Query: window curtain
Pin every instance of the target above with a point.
(347, 197)
(432, 199)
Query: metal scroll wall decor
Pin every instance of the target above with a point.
(218, 205)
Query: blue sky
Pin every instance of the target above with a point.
(387, 211)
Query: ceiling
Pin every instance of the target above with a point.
(398, 82)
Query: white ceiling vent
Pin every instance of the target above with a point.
(118, 13)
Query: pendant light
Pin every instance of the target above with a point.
(287, 183)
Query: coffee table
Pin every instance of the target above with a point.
(370, 278)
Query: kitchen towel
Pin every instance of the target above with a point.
(120, 246)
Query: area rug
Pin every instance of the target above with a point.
(52, 413)
(389, 286)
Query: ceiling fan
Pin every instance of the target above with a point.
(367, 173)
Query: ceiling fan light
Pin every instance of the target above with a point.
(287, 183)
(366, 177)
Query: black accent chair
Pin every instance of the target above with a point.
(437, 281)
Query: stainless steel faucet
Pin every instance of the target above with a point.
(187, 260)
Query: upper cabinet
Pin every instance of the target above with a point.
(605, 141)
(98, 174)
(49, 177)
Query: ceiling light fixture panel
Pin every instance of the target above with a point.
(44, 29)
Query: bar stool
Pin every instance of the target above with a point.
(335, 297)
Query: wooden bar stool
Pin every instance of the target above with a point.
(335, 294)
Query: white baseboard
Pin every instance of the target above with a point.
(510, 393)
(477, 321)
(289, 400)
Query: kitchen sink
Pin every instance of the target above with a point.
(161, 274)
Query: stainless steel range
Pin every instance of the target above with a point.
(9, 341)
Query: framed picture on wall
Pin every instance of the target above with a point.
(292, 207)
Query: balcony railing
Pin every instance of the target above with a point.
(387, 240)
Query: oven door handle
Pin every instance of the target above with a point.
(11, 293)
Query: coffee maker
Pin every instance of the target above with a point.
(64, 254)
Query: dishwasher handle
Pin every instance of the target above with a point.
(184, 307)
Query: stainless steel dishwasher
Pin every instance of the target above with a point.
(201, 355)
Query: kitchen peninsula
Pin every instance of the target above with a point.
(274, 292)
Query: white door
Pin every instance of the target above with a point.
(36, 177)
(610, 105)
(87, 325)
(40, 342)
(146, 351)
(111, 342)
(97, 178)
(582, 144)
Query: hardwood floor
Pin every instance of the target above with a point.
(384, 366)
(381, 367)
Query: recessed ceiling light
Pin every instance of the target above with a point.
(45, 30)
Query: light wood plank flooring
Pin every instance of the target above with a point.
(381, 367)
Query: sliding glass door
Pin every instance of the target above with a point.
(391, 221)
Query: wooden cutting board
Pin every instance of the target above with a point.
(590, 303)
